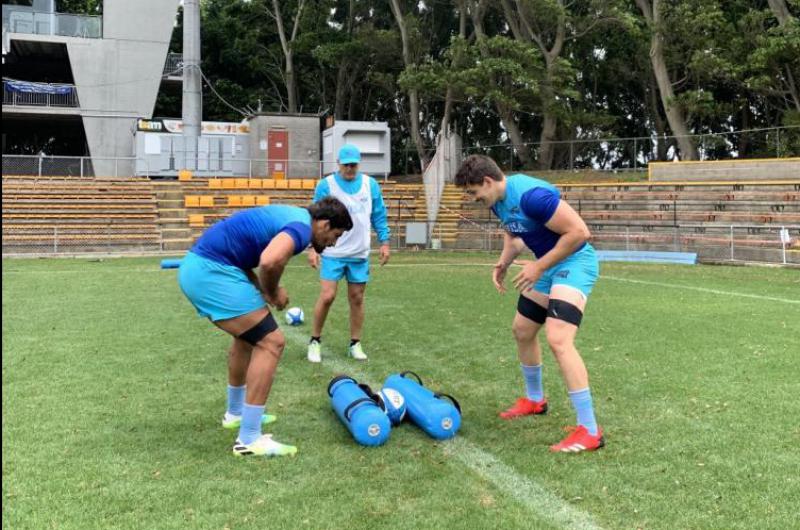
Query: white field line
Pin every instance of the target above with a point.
(440, 265)
(702, 289)
(533, 496)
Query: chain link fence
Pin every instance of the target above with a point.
(626, 154)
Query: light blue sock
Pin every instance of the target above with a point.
(533, 381)
(250, 429)
(582, 401)
(236, 399)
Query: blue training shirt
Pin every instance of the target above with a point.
(378, 218)
(528, 205)
(240, 239)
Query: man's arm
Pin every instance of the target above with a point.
(253, 277)
(273, 260)
(379, 220)
(512, 247)
(574, 233)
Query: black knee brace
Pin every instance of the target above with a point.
(254, 335)
(531, 310)
(564, 311)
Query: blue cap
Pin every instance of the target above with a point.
(349, 154)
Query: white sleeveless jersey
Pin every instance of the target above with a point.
(353, 243)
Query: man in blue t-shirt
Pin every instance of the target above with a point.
(553, 289)
(350, 257)
(217, 277)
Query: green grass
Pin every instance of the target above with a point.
(113, 391)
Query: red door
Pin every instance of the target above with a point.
(277, 153)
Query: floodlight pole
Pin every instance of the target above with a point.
(192, 103)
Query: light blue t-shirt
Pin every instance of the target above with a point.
(240, 239)
(378, 217)
(528, 205)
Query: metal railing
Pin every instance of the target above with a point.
(73, 166)
(209, 164)
(173, 65)
(40, 99)
(23, 19)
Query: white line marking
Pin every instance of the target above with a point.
(527, 492)
(701, 289)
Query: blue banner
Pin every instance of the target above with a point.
(37, 88)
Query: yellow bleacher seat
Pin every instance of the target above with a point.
(191, 201)
(196, 220)
(184, 174)
(295, 184)
(309, 184)
(262, 200)
(241, 184)
(234, 200)
(278, 175)
(268, 184)
(255, 184)
(248, 200)
(228, 184)
(282, 184)
(215, 184)
(206, 201)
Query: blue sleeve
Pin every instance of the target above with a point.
(321, 191)
(300, 234)
(540, 203)
(379, 219)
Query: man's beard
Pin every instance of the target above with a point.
(319, 248)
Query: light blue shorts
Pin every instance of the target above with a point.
(216, 290)
(579, 271)
(334, 269)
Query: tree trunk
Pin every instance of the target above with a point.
(341, 92)
(781, 11)
(658, 121)
(546, 146)
(506, 115)
(291, 85)
(288, 53)
(673, 110)
(413, 96)
(449, 95)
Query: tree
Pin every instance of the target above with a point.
(287, 44)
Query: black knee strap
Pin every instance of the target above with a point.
(564, 311)
(531, 310)
(254, 335)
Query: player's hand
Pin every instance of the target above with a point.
(384, 259)
(280, 300)
(499, 276)
(528, 276)
(313, 258)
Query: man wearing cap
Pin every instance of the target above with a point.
(350, 257)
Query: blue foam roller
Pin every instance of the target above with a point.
(439, 415)
(170, 263)
(359, 411)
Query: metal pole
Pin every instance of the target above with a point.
(783, 244)
(55, 240)
(192, 105)
(731, 242)
(40, 164)
(116, 167)
(571, 155)
(82, 159)
(777, 143)
(627, 238)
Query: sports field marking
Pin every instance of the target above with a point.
(525, 491)
(702, 289)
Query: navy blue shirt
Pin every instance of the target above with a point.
(240, 239)
(528, 205)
